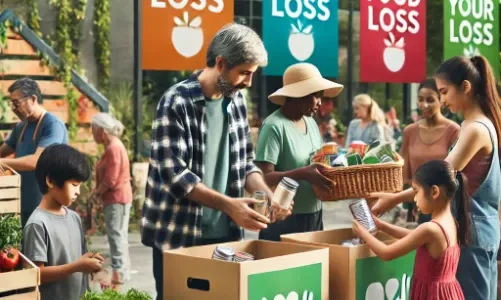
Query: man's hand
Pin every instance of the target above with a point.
(244, 216)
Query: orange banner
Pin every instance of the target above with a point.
(176, 33)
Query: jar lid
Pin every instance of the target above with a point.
(290, 183)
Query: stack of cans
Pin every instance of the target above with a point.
(223, 253)
(242, 257)
(362, 213)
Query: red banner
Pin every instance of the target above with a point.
(392, 41)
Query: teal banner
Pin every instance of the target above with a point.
(301, 31)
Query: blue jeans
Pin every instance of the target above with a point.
(477, 273)
(116, 218)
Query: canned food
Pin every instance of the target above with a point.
(357, 147)
(329, 159)
(330, 148)
(362, 213)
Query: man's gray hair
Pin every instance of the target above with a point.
(237, 44)
(28, 87)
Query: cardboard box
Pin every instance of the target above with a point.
(356, 271)
(283, 269)
(32, 295)
(28, 277)
(10, 193)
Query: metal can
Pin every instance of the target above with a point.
(330, 148)
(358, 147)
(362, 213)
(329, 159)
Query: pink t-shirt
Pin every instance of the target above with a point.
(415, 152)
(113, 170)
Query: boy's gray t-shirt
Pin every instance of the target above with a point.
(56, 240)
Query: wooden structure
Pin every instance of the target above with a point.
(22, 58)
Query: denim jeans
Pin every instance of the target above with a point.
(116, 218)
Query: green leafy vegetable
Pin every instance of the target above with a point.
(11, 232)
(132, 294)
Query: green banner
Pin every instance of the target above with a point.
(290, 284)
(471, 27)
(389, 280)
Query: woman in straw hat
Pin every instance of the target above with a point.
(288, 138)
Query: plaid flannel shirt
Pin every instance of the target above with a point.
(169, 219)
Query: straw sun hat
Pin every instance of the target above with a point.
(302, 79)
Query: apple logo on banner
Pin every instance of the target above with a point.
(376, 290)
(187, 36)
(394, 53)
(470, 51)
(301, 43)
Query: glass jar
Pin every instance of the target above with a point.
(261, 207)
(285, 192)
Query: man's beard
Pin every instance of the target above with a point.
(226, 88)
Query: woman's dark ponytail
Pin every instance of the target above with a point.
(478, 72)
(463, 209)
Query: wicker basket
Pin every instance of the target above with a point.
(361, 180)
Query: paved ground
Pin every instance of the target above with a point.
(336, 215)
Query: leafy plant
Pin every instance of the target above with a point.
(102, 21)
(108, 294)
(11, 231)
(33, 16)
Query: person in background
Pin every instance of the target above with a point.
(369, 124)
(287, 140)
(113, 189)
(435, 183)
(53, 238)
(202, 156)
(428, 139)
(37, 130)
(467, 86)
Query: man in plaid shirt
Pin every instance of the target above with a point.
(202, 155)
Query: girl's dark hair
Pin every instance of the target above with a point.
(478, 72)
(429, 83)
(441, 174)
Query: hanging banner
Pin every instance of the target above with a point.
(472, 28)
(176, 33)
(301, 31)
(392, 41)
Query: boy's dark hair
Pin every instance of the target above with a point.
(61, 163)
(28, 87)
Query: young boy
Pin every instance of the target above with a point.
(53, 236)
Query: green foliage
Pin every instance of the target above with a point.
(77, 15)
(121, 98)
(33, 16)
(10, 227)
(435, 34)
(109, 294)
(102, 21)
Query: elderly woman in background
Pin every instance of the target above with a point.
(113, 189)
(369, 124)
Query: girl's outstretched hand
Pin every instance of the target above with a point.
(357, 228)
(377, 221)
